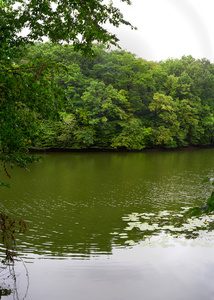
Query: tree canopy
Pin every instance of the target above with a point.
(79, 22)
(28, 91)
(118, 101)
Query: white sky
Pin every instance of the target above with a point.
(168, 28)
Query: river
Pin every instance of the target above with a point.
(77, 247)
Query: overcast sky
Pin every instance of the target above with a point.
(168, 28)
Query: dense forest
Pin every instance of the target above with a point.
(115, 100)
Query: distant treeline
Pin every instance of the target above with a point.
(115, 100)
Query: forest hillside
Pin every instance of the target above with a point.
(115, 100)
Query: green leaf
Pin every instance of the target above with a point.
(4, 184)
(206, 179)
(211, 199)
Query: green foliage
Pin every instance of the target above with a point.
(79, 22)
(110, 100)
(83, 138)
(47, 134)
(27, 85)
(30, 95)
(4, 184)
(66, 129)
(114, 91)
(26, 94)
(134, 136)
(104, 108)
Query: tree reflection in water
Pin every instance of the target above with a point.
(9, 284)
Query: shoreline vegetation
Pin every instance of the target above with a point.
(187, 148)
(115, 101)
(111, 101)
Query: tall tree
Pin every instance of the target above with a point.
(164, 110)
(104, 109)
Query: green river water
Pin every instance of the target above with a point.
(76, 244)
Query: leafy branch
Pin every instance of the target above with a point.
(208, 207)
(9, 230)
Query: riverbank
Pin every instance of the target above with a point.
(191, 147)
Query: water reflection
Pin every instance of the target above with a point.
(152, 273)
(72, 202)
(14, 280)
